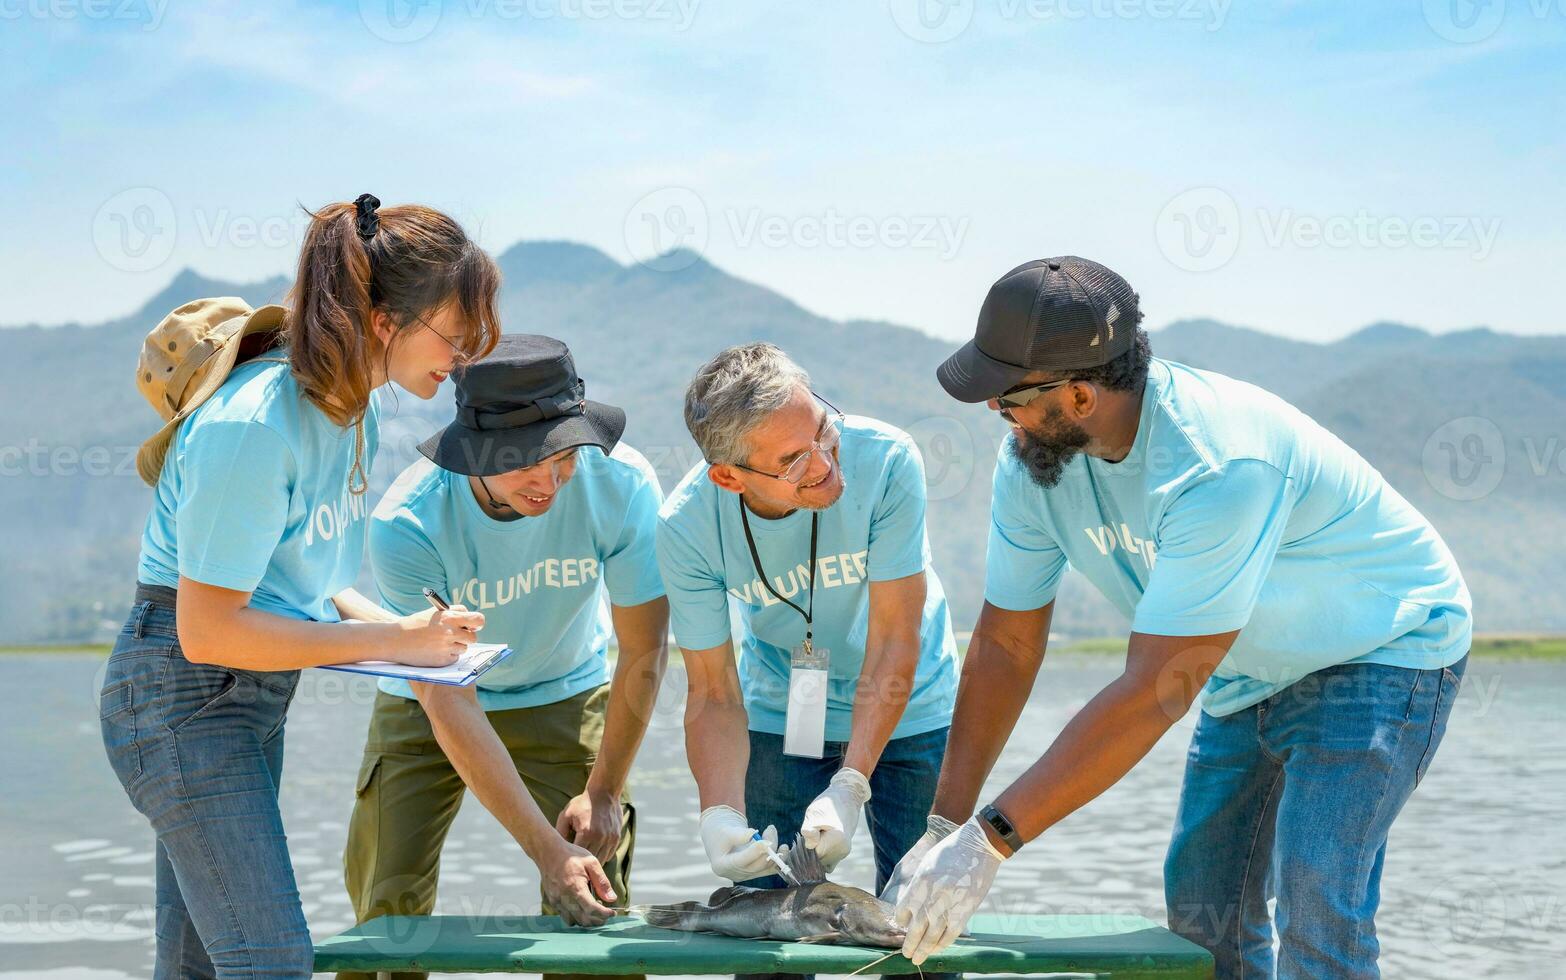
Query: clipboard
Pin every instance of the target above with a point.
(469, 667)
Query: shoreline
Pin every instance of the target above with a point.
(1495, 647)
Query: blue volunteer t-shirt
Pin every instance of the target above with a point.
(254, 497)
(539, 581)
(873, 533)
(1234, 509)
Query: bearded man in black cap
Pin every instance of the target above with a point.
(1261, 562)
(530, 510)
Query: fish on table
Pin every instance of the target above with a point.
(813, 911)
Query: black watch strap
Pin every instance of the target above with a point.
(1003, 827)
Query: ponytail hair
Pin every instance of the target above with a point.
(412, 261)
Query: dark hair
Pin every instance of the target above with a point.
(1128, 372)
(417, 261)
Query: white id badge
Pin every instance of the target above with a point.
(804, 732)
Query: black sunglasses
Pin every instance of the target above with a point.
(1022, 395)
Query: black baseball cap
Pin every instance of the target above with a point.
(1060, 314)
(521, 404)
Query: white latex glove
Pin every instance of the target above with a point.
(831, 819)
(939, 829)
(732, 848)
(945, 890)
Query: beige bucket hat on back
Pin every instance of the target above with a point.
(188, 356)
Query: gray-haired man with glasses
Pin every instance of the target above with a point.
(812, 523)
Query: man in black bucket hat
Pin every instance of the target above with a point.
(522, 404)
(1263, 564)
(530, 510)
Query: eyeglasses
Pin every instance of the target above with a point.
(462, 356)
(1023, 395)
(827, 439)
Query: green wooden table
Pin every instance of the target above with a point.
(1120, 946)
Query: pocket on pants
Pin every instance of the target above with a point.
(117, 718)
(211, 686)
(277, 688)
(627, 849)
(1447, 684)
(367, 770)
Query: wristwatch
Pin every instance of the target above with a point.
(1002, 827)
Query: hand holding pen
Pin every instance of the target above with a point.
(437, 636)
(445, 607)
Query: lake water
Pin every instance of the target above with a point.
(1475, 882)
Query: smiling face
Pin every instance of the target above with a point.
(1046, 432)
(775, 445)
(529, 491)
(425, 352)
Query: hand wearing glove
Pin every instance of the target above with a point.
(831, 819)
(732, 848)
(939, 829)
(945, 890)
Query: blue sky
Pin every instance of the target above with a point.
(1301, 168)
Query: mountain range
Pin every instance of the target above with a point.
(1442, 416)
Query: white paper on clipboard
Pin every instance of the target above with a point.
(464, 672)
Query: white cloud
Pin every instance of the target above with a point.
(460, 69)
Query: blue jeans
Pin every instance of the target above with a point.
(779, 787)
(199, 750)
(1292, 799)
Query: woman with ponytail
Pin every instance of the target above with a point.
(249, 557)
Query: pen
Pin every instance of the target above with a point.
(435, 599)
(441, 604)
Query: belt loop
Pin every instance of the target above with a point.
(139, 618)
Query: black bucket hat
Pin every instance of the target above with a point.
(521, 404)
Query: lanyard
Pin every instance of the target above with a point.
(755, 558)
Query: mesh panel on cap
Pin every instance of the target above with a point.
(1072, 324)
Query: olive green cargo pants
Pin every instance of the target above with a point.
(408, 795)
